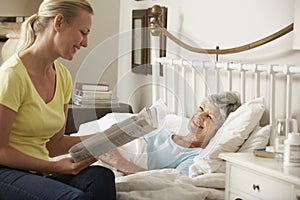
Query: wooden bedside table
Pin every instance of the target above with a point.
(251, 177)
(85, 113)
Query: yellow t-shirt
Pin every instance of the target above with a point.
(36, 122)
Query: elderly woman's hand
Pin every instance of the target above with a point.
(116, 160)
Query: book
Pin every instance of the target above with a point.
(92, 86)
(95, 102)
(117, 135)
(89, 94)
(263, 153)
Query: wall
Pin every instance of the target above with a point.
(297, 25)
(200, 23)
(208, 24)
(105, 24)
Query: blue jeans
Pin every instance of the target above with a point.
(95, 182)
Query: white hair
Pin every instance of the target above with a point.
(227, 102)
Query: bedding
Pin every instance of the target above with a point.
(240, 132)
(166, 184)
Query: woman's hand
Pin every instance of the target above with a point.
(68, 166)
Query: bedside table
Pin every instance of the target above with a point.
(78, 114)
(251, 177)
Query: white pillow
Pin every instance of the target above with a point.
(176, 123)
(229, 137)
(161, 110)
(258, 139)
(101, 124)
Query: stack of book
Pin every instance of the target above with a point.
(92, 93)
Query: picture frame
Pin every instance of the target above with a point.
(141, 40)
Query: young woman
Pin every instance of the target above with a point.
(165, 149)
(34, 93)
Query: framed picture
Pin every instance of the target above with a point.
(141, 40)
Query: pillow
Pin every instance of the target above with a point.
(101, 124)
(258, 139)
(176, 123)
(229, 137)
(161, 110)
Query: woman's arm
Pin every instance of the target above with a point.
(60, 143)
(13, 158)
(116, 160)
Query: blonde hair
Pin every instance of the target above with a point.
(48, 10)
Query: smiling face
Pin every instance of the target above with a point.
(205, 122)
(71, 36)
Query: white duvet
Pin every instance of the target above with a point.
(166, 184)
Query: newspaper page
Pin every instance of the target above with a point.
(117, 135)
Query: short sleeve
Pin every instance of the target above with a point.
(11, 88)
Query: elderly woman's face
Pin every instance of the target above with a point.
(205, 121)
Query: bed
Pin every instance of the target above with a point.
(246, 129)
(179, 82)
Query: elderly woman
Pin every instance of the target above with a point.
(166, 149)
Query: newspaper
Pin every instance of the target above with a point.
(117, 135)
